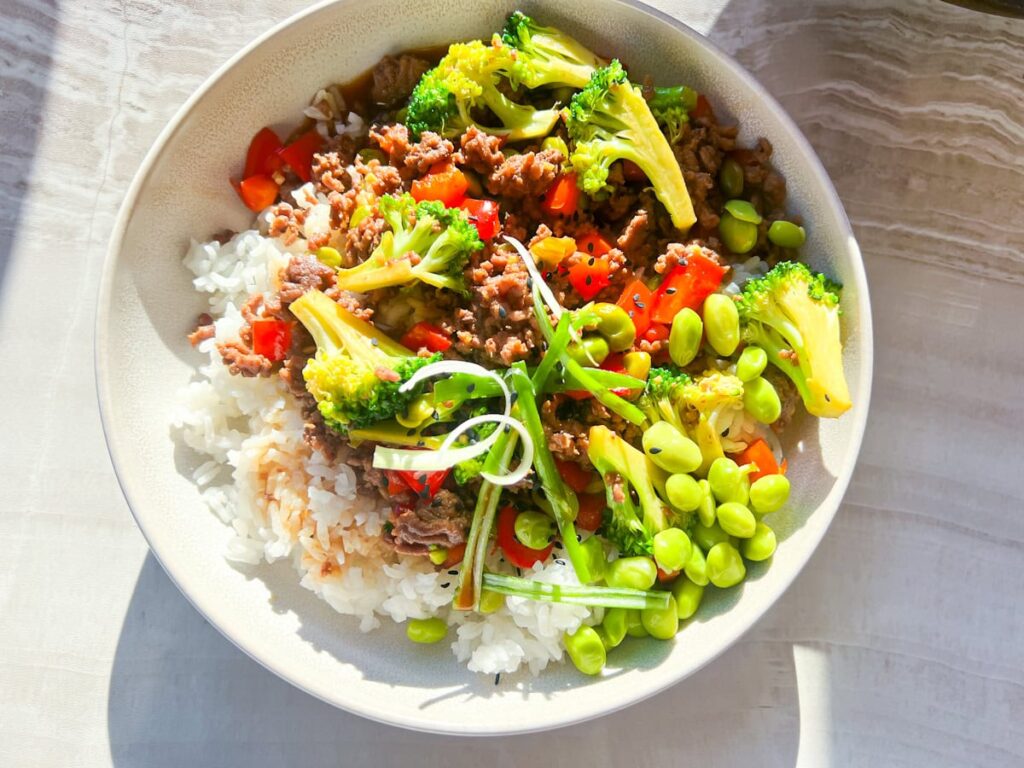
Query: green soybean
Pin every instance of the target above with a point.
(634, 626)
(672, 549)
(708, 536)
(687, 595)
(670, 449)
(684, 338)
(534, 529)
(615, 325)
(360, 213)
(632, 573)
(614, 626)
(329, 257)
(738, 236)
(769, 493)
(786, 234)
(490, 602)
(437, 554)
(591, 350)
(706, 510)
(593, 550)
(684, 493)
(761, 545)
(727, 480)
(426, 630)
(637, 364)
(721, 323)
(697, 568)
(736, 520)
(761, 400)
(586, 650)
(661, 623)
(744, 211)
(752, 363)
(725, 566)
(730, 178)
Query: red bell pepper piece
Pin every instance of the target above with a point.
(271, 338)
(455, 555)
(257, 192)
(424, 334)
(591, 512)
(262, 157)
(759, 454)
(636, 300)
(589, 276)
(484, 216)
(687, 285)
(593, 244)
(445, 183)
(515, 551)
(299, 154)
(575, 476)
(423, 484)
(563, 197)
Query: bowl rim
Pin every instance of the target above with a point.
(598, 707)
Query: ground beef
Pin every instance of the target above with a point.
(442, 521)
(304, 273)
(412, 159)
(636, 240)
(567, 436)
(242, 361)
(286, 222)
(481, 151)
(525, 175)
(677, 253)
(395, 77)
(700, 152)
(361, 239)
(204, 330)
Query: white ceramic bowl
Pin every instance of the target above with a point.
(143, 358)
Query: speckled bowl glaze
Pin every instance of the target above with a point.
(143, 358)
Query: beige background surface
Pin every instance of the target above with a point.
(901, 644)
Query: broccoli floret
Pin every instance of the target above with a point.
(545, 55)
(465, 81)
(671, 107)
(793, 315)
(357, 371)
(662, 399)
(441, 238)
(609, 120)
(627, 471)
(707, 399)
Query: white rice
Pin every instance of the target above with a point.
(283, 501)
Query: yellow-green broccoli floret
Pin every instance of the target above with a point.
(708, 398)
(671, 107)
(662, 399)
(545, 56)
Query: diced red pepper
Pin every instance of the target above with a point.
(614, 363)
(396, 484)
(591, 512)
(515, 551)
(484, 216)
(687, 285)
(445, 183)
(656, 332)
(592, 244)
(455, 555)
(759, 454)
(664, 576)
(424, 334)
(562, 197)
(633, 172)
(299, 154)
(575, 476)
(703, 108)
(257, 192)
(589, 276)
(423, 484)
(636, 300)
(262, 157)
(271, 338)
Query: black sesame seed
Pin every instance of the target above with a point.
(590, 249)
(410, 433)
(453, 573)
(558, 544)
(670, 291)
(828, 399)
(591, 261)
(435, 416)
(514, 397)
(470, 387)
(640, 305)
(502, 312)
(420, 444)
(529, 283)
(497, 678)
(589, 280)
(636, 299)
(655, 451)
(507, 429)
(374, 342)
(559, 561)
(446, 585)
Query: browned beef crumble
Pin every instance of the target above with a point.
(526, 175)
(304, 273)
(204, 330)
(441, 521)
(394, 77)
(481, 151)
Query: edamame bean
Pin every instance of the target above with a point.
(615, 325)
(751, 364)
(708, 536)
(684, 493)
(637, 364)
(697, 568)
(426, 630)
(596, 559)
(670, 449)
(761, 400)
(730, 178)
(721, 324)
(437, 554)
(672, 549)
(761, 545)
(329, 257)
(586, 650)
(634, 627)
(769, 493)
(706, 510)
(726, 480)
(786, 234)
(738, 236)
(614, 626)
(684, 338)
(687, 596)
(590, 351)
(360, 213)
(534, 529)
(736, 520)
(632, 573)
(725, 566)
(490, 602)
(744, 211)
(662, 623)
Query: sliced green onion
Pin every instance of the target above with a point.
(449, 367)
(556, 346)
(624, 408)
(575, 594)
(603, 378)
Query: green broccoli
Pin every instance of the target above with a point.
(545, 55)
(671, 107)
(609, 120)
(662, 398)
(442, 240)
(707, 398)
(793, 315)
(447, 97)
(626, 471)
(357, 371)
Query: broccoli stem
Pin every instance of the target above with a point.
(607, 597)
